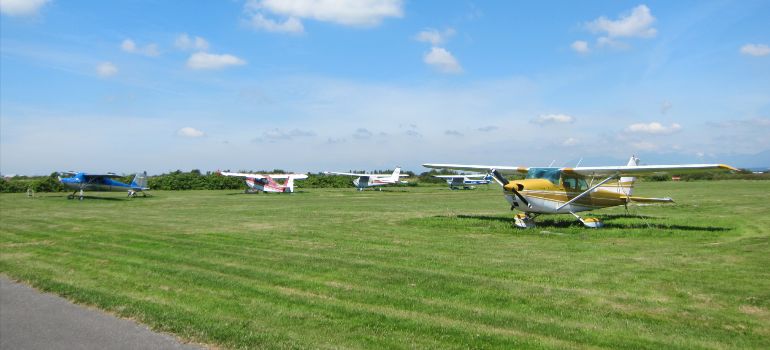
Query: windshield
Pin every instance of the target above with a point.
(550, 174)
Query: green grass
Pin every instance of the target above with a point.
(407, 268)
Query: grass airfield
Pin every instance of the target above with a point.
(420, 267)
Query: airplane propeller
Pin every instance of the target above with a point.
(503, 181)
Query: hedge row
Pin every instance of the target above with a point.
(195, 180)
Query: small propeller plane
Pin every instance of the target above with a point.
(572, 190)
(363, 181)
(80, 182)
(466, 181)
(266, 182)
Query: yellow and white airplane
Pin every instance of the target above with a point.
(573, 190)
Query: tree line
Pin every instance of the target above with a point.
(196, 180)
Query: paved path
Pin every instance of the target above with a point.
(33, 320)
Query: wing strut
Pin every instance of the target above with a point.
(587, 191)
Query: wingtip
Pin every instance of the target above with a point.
(727, 167)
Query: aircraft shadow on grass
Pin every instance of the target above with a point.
(640, 224)
(102, 198)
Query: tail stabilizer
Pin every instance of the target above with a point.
(396, 174)
(625, 185)
(140, 181)
(290, 181)
(651, 200)
(290, 184)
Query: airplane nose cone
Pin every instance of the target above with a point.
(514, 185)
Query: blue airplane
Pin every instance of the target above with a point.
(467, 181)
(80, 182)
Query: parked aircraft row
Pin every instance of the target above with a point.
(544, 190)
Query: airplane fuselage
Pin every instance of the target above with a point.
(547, 198)
(368, 181)
(80, 182)
(265, 184)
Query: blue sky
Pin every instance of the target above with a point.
(371, 84)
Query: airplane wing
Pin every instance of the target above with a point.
(460, 176)
(261, 176)
(286, 176)
(109, 175)
(645, 169)
(479, 168)
(345, 174)
(254, 176)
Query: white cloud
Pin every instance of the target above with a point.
(150, 50)
(755, 50)
(204, 60)
(21, 7)
(279, 134)
(653, 128)
(290, 25)
(580, 46)
(185, 42)
(487, 128)
(128, 45)
(453, 133)
(636, 24)
(106, 69)
(645, 146)
(362, 134)
(442, 60)
(553, 119)
(571, 141)
(434, 37)
(611, 43)
(190, 132)
(362, 13)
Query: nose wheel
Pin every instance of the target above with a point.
(522, 220)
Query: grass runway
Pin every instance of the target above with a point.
(419, 267)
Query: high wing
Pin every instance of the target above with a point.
(107, 175)
(645, 169)
(460, 176)
(262, 176)
(359, 175)
(479, 168)
(344, 174)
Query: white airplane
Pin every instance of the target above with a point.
(572, 190)
(466, 181)
(266, 182)
(371, 180)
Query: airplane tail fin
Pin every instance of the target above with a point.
(625, 185)
(140, 181)
(290, 181)
(290, 184)
(396, 174)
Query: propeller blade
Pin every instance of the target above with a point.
(499, 177)
(523, 200)
(503, 181)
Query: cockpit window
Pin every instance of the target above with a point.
(574, 183)
(550, 174)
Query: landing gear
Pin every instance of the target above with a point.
(80, 195)
(523, 220)
(589, 222)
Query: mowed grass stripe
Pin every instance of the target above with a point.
(517, 320)
(286, 297)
